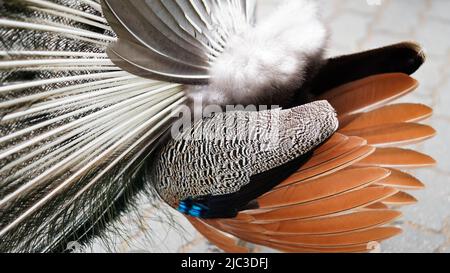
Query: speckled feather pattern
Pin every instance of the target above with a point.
(190, 167)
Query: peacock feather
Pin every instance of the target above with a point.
(89, 92)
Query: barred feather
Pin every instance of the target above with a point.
(83, 112)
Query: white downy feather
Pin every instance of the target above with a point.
(269, 59)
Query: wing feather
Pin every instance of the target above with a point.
(395, 113)
(394, 134)
(398, 158)
(173, 40)
(322, 225)
(339, 200)
(370, 92)
(331, 185)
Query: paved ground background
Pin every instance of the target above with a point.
(357, 25)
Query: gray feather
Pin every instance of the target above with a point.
(72, 135)
(172, 40)
(219, 155)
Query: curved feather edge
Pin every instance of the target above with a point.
(262, 225)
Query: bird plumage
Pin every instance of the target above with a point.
(197, 42)
(175, 41)
(232, 149)
(270, 60)
(74, 127)
(340, 199)
(87, 94)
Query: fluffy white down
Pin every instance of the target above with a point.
(269, 59)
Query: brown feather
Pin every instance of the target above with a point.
(395, 113)
(327, 186)
(377, 206)
(400, 199)
(370, 92)
(352, 144)
(358, 241)
(336, 204)
(401, 180)
(346, 239)
(302, 249)
(334, 141)
(397, 157)
(322, 225)
(320, 242)
(394, 133)
(329, 167)
(221, 240)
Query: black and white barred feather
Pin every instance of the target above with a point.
(221, 155)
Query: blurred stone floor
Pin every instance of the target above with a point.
(358, 25)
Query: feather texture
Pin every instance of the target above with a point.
(369, 92)
(394, 133)
(320, 188)
(227, 243)
(83, 111)
(323, 225)
(395, 113)
(219, 163)
(271, 60)
(397, 157)
(74, 128)
(175, 41)
(338, 200)
(344, 202)
(401, 180)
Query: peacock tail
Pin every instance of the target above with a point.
(76, 128)
(87, 94)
